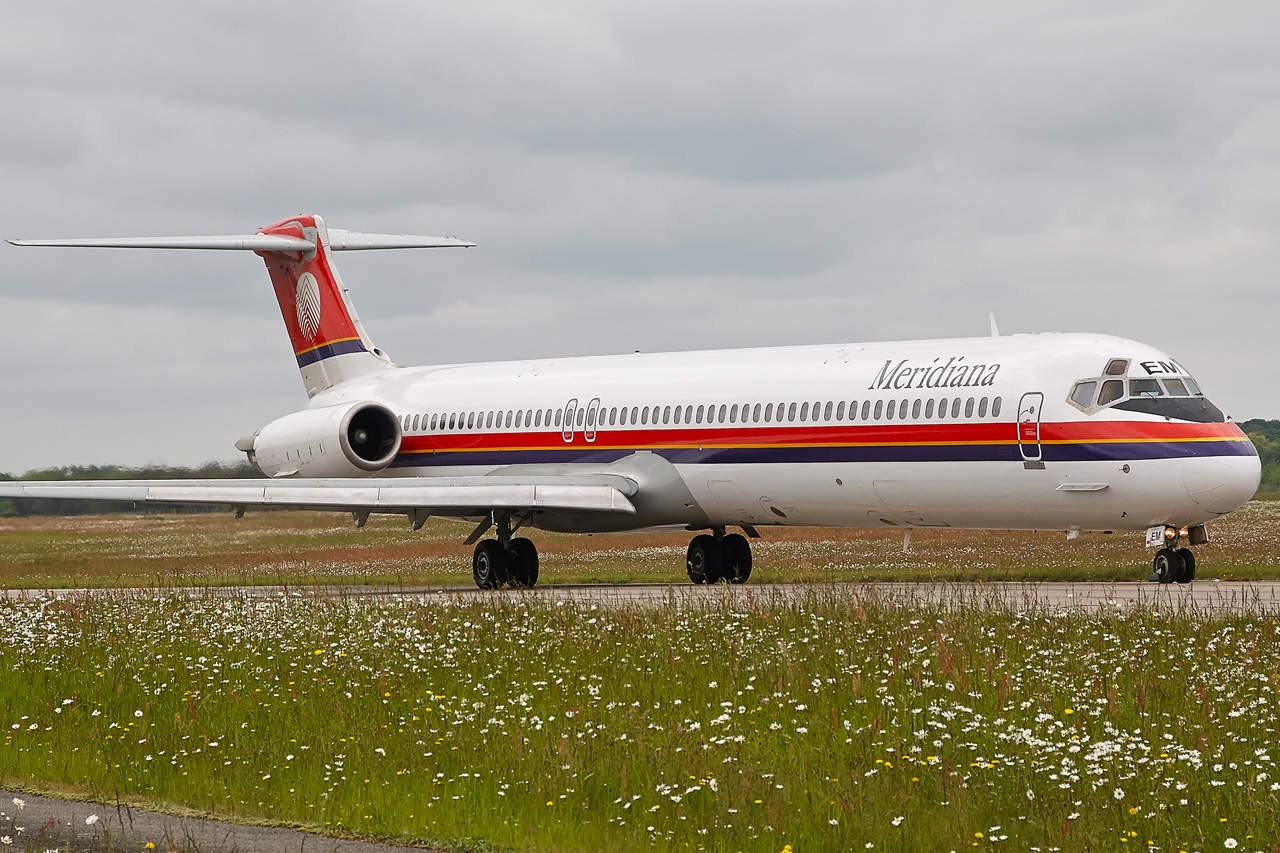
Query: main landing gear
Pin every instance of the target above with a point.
(504, 561)
(719, 557)
(1173, 564)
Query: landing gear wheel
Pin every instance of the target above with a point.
(704, 559)
(1188, 572)
(737, 558)
(1166, 566)
(524, 563)
(489, 564)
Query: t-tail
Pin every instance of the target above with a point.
(329, 341)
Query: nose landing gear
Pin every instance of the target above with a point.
(1171, 563)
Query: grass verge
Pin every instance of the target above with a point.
(828, 723)
(313, 548)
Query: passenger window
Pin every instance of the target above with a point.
(519, 419)
(433, 422)
(1082, 394)
(879, 409)
(890, 409)
(635, 415)
(982, 407)
(559, 417)
(902, 410)
(968, 408)
(489, 422)
(942, 407)
(915, 410)
(666, 415)
(453, 418)
(826, 413)
(582, 414)
(1144, 388)
(1175, 388)
(537, 418)
(471, 421)
(791, 412)
(733, 414)
(995, 408)
(699, 414)
(676, 414)
(768, 413)
(415, 423)
(721, 418)
(840, 411)
(644, 415)
(866, 409)
(1112, 390)
(955, 408)
(755, 413)
(1117, 367)
(613, 416)
(928, 408)
(804, 411)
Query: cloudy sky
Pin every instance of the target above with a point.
(643, 176)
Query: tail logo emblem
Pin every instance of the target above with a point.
(308, 304)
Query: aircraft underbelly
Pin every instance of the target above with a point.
(1096, 495)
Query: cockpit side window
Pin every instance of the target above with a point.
(1082, 395)
(1144, 388)
(1112, 390)
(1117, 367)
(1193, 387)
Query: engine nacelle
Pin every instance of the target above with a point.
(350, 440)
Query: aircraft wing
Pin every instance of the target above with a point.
(449, 496)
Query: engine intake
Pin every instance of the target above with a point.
(350, 440)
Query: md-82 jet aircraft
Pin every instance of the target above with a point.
(1065, 432)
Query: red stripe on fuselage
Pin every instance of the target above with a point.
(1072, 432)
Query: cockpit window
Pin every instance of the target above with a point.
(1117, 367)
(1112, 390)
(1144, 388)
(1176, 388)
(1192, 387)
(1082, 396)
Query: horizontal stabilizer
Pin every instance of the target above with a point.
(249, 242)
(454, 496)
(339, 241)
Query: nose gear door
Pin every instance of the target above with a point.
(1029, 429)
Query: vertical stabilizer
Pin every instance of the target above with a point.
(329, 341)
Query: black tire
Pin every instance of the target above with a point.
(1188, 573)
(524, 563)
(489, 564)
(737, 558)
(1166, 565)
(704, 559)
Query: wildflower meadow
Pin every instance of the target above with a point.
(836, 721)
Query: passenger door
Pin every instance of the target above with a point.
(1029, 429)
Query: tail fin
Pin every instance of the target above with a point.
(328, 338)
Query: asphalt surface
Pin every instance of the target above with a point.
(43, 824)
(1207, 596)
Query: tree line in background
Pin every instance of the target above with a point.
(1265, 435)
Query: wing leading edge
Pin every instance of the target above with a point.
(452, 496)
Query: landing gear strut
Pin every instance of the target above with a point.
(718, 557)
(1173, 564)
(504, 561)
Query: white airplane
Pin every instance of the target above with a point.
(1063, 432)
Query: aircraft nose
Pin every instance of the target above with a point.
(1220, 484)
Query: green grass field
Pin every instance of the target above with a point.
(832, 723)
(313, 548)
(843, 719)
